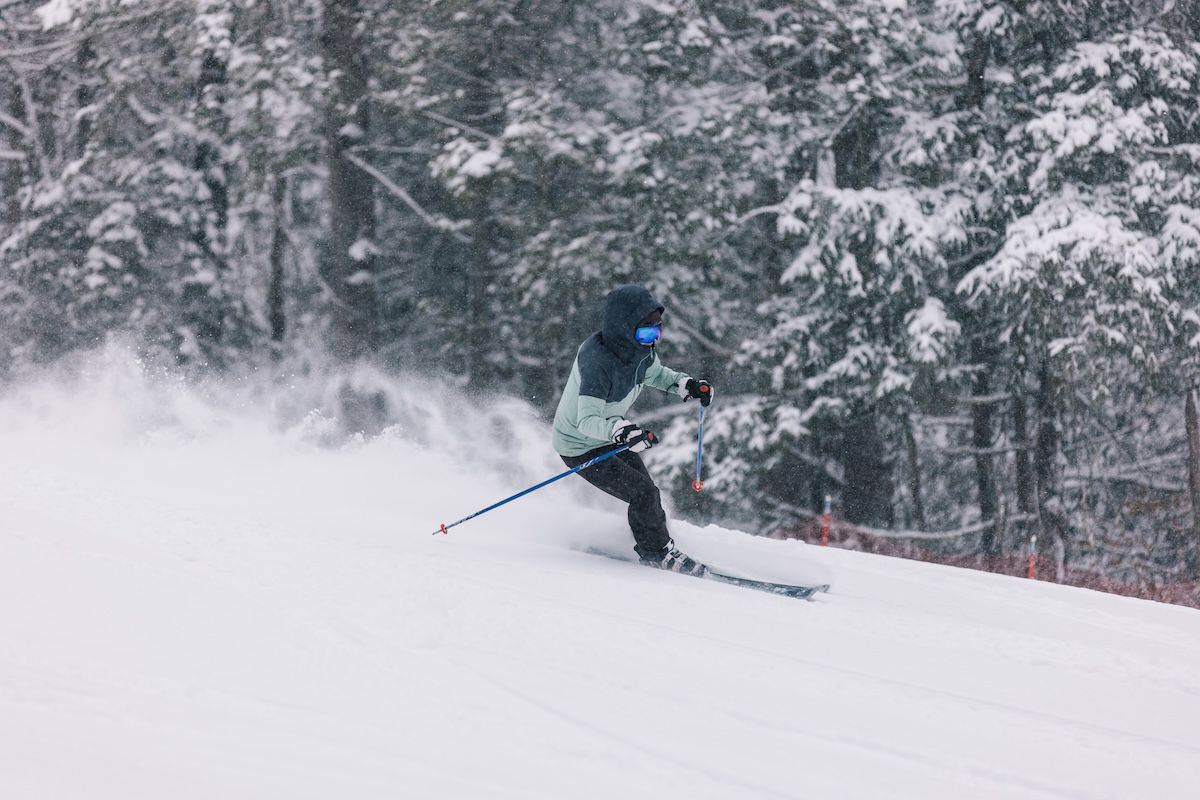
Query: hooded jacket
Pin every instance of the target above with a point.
(608, 374)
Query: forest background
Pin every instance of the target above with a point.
(941, 258)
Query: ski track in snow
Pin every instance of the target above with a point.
(200, 599)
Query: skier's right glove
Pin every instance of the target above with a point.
(701, 390)
(626, 432)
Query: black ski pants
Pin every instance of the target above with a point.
(626, 478)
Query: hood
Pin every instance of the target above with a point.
(624, 308)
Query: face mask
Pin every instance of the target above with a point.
(648, 334)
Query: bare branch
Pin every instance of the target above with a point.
(1076, 479)
(704, 341)
(987, 399)
(16, 125)
(761, 211)
(971, 257)
(978, 527)
(441, 223)
(934, 419)
(436, 117)
(148, 117)
(34, 49)
(971, 452)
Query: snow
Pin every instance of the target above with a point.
(351, 130)
(930, 330)
(55, 13)
(363, 249)
(205, 592)
(461, 159)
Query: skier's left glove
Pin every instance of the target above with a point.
(687, 388)
(627, 433)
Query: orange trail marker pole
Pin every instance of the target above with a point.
(825, 517)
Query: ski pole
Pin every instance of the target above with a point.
(698, 484)
(444, 528)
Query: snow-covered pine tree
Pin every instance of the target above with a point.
(1082, 281)
(856, 309)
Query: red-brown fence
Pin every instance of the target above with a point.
(846, 536)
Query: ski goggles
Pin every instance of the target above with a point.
(648, 334)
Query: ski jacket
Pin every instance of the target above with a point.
(608, 374)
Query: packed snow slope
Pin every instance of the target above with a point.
(207, 592)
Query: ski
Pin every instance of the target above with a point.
(784, 589)
(798, 591)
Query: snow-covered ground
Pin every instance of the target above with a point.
(204, 594)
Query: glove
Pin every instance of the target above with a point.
(625, 432)
(687, 388)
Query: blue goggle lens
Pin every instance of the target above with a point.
(648, 334)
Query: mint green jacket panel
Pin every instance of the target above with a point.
(662, 377)
(583, 422)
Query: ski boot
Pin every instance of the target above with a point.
(669, 558)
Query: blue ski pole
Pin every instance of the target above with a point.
(444, 528)
(698, 484)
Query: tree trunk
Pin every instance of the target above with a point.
(983, 358)
(207, 160)
(977, 61)
(11, 170)
(349, 265)
(914, 476)
(1050, 512)
(85, 63)
(275, 294)
(480, 102)
(205, 291)
(867, 496)
(480, 325)
(1027, 503)
(1193, 437)
(1026, 482)
(981, 441)
(41, 132)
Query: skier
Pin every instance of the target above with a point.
(609, 372)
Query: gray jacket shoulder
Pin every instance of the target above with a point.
(603, 374)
